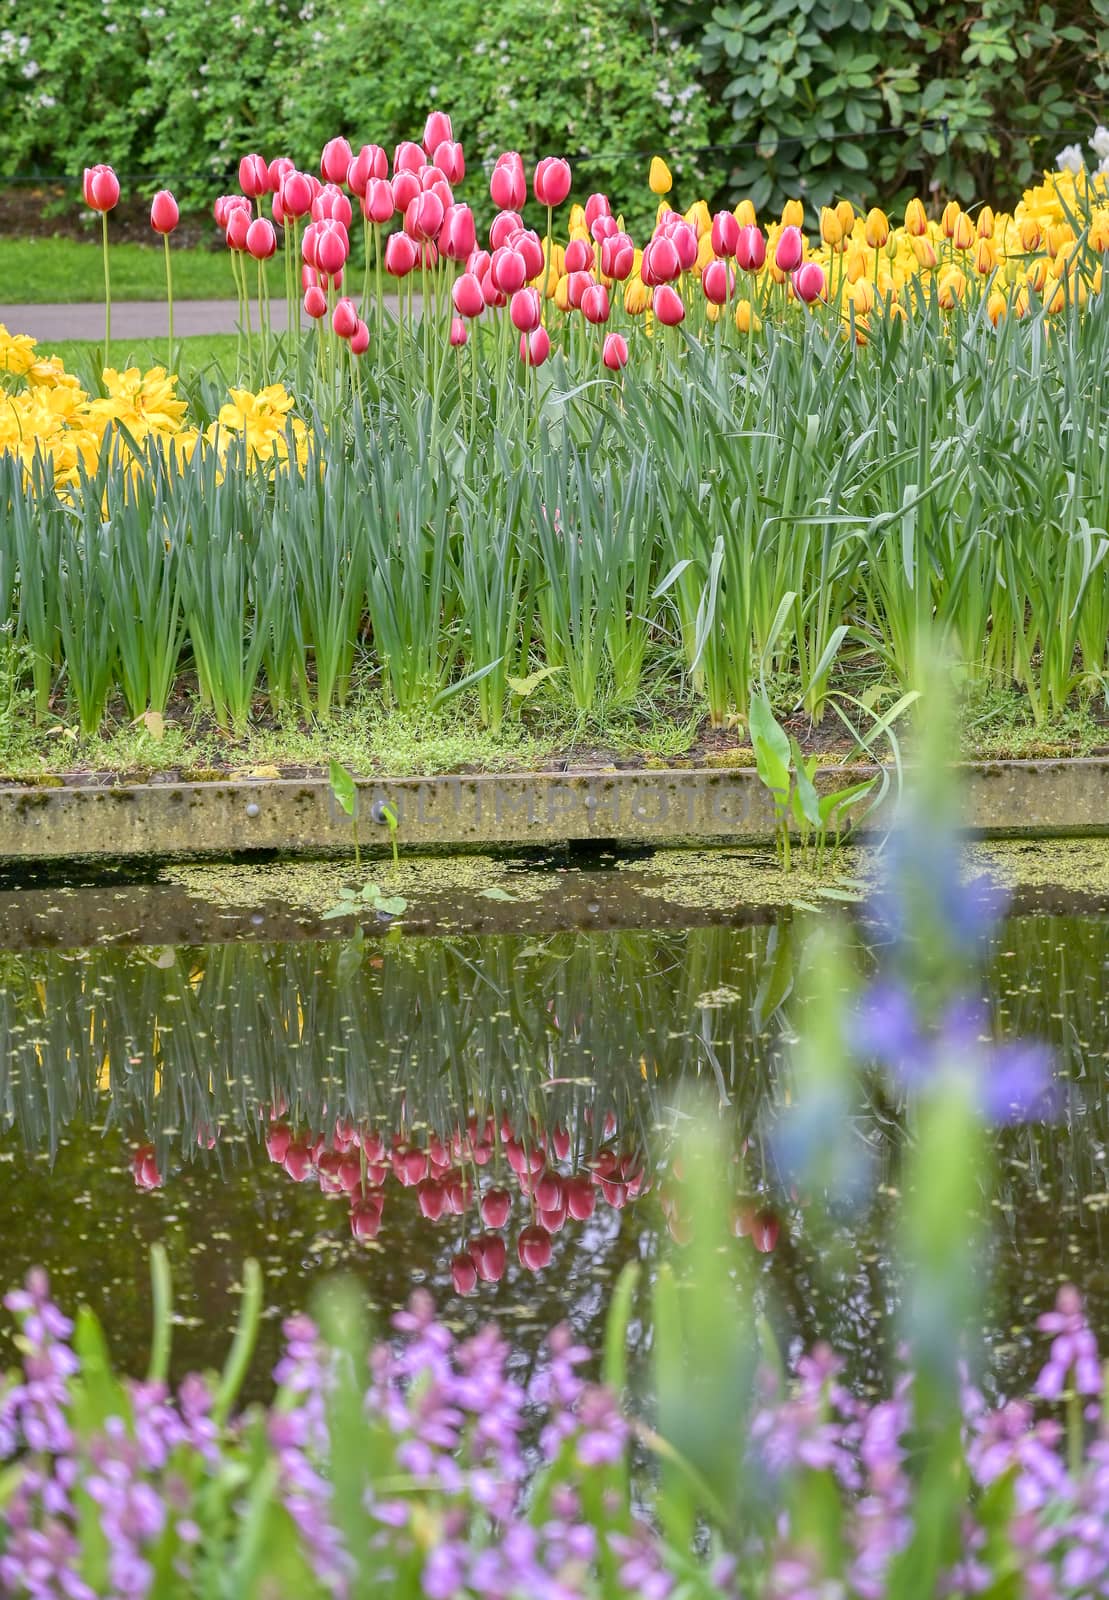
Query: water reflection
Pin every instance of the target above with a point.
(492, 1116)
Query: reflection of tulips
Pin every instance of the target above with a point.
(144, 1168)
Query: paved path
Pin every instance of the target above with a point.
(138, 319)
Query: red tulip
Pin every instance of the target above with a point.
(225, 205)
(578, 285)
(332, 205)
(238, 226)
(478, 263)
(492, 295)
(535, 347)
(496, 1204)
(808, 282)
(684, 238)
(604, 228)
(667, 306)
(335, 160)
(365, 1220)
(578, 256)
(502, 227)
(718, 281)
(789, 249)
(661, 262)
(764, 1231)
(467, 296)
(448, 157)
(458, 332)
(424, 217)
(553, 1221)
(144, 1168)
(489, 1256)
(378, 203)
(561, 1143)
(534, 1249)
(594, 304)
(750, 248)
(278, 1140)
(547, 1191)
(437, 129)
(328, 1163)
(432, 1199)
(261, 239)
(581, 1197)
(278, 211)
(101, 187)
(370, 162)
(298, 1161)
(508, 270)
(552, 181)
(507, 184)
(526, 310)
(406, 186)
(530, 246)
(463, 1274)
(618, 257)
(457, 236)
(408, 157)
(432, 181)
(296, 195)
(344, 319)
(164, 214)
(596, 206)
(254, 177)
(615, 358)
(725, 233)
(332, 248)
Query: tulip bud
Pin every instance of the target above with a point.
(508, 270)
(661, 263)
(360, 339)
(793, 215)
(344, 319)
(637, 296)
(458, 332)
(685, 241)
(831, 229)
(985, 257)
(808, 282)
(1030, 235)
(617, 257)
(535, 347)
(916, 218)
(597, 205)
(534, 1249)
(789, 249)
(335, 161)
(332, 248)
(530, 246)
(370, 162)
(595, 306)
(315, 302)
(725, 233)
(747, 319)
(577, 257)
(101, 188)
(525, 310)
(407, 157)
(488, 1254)
(925, 252)
(424, 217)
(845, 211)
(667, 306)
(614, 355)
(296, 195)
(997, 307)
(467, 296)
(746, 215)
(576, 285)
(963, 233)
(552, 181)
(238, 225)
(750, 250)
(507, 185)
(378, 201)
(164, 215)
(876, 228)
(401, 255)
(952, 211)
(261, 239)
(604, 227)
(437, 130)
(279, 169)
(718, 281)
(448, 157)
(278, 211)
(659, 180)
(254, 177)
(986, 222)
(332, 205)
(457, 235)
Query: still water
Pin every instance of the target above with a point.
(329, 1103)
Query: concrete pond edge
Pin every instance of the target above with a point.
(54, 821)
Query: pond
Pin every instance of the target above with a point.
(240, 1076)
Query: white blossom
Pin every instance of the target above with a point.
(1099, 144)
(1070, 159)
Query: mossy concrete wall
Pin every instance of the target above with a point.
(54, 822)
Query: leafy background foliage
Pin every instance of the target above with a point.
(764, 97)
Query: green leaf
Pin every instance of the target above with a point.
(496, 893)
(526, 686)
(771, 746)
(343, 787)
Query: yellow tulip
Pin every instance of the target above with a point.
(712, 311)
(793, 214)
(577, 218)
(952, 287)
(1054, 296)
(996, 307)
(699, 217)
(964, 233)
(746, 215)
(562, 293)
(876, 228)
(1036, 275)
(1059, 234)
(985, 257)
(925, 252)
(985, 222)
(1030, 235)
(1099, 231)
(845, 211)
(747, 319)
(831, 228)
(952, 211)
(1021, 303)
(861, 295)
(637, 297)
(664, 209)
(861, 326)
(916, 218)
(705, 252)
(858, 264)
(660, 181)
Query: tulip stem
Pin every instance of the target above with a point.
(262, 318)
(107, 292)
(169, 300)
(547, 264)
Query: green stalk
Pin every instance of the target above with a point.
(169, 299)
(107, 292)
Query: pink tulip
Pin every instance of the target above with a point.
(298, 1162)
(489, 1256)
(808, 282)
(666, 303)
(261, 239)
(618, 257)
(431, 1198)
(238, 226)
(503, 226)
(365, 1220)
(478, 263)
(507, 184)
(101, 188)
(496, 1204)
(577, 285)
(493, 296)
(335, 160)
(764, 1231)
(534, 1249)
(578, 257)
(725, 233)
(370, 162)
(378, 202)
(332, 205)
(718, 281)
(432, 181)
(401, 255)
(467, 296)
(661, 263)
(332, 248)
(296, 195)
(279, 169)
(552, 181)
(684, 238)
(547, 1191)
(595, 306)
(278, 1140)
(437, 130)
(144, 1168)
(526, 310)
(254, 176)
(224, 207)
(463, 1274)
(530, 246)
(278, 211)
(750, 249)
(604, 228)
(789, 249)
(408, 157)
(596, 206)
(164, 214)
(508, 269)
(458, 332)
(448, 157)
(424, 217)
(457, 236)
(581, 1197)
(344, 319)
(535, 347)
(406, 186)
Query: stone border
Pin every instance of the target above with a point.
(655, 807)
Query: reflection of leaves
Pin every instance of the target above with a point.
(776, 977)
(496, 894)
(350, 958)
(369, 897)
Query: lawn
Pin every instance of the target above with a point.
(45, 271)
(194, 355)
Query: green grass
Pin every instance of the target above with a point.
(44, 271)
(196, 354)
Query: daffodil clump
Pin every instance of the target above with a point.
(45, 413)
